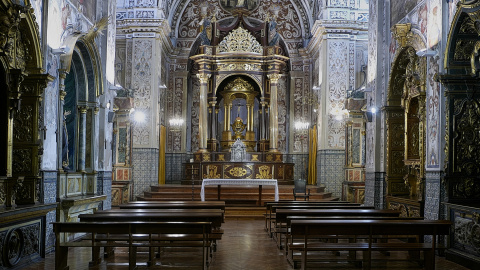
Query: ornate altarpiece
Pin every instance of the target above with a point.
(405, 122)
(238, 63)
(22, 82)
(462, 134)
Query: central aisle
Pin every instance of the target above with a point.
(246, 245)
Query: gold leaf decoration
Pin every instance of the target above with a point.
(240, 40)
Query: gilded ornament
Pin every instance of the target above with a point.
(402, 33)
(240, 40)
(255, 158)
(238, 171)
(264, 172)
(221, 157)
(212, 172)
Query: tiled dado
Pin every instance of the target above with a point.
(432, 195)
(330, 170)
(104, 187)
(50, 196)
(145, 169)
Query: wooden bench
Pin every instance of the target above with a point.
(270, 216)
(139, 234)
(288, 237)
(373, 229)
(281, 222)
(174, 205)
(153, 210)
(278, 224)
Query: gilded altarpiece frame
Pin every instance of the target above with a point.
(405, 124)
(462, 139)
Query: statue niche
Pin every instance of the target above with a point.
(239, 121)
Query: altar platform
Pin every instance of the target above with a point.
(232, 195)
(254, 165)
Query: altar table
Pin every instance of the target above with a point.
(240, 182)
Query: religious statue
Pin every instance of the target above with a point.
(238, 127)
(205, 31)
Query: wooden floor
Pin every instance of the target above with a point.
(245, 245)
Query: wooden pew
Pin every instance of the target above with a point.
(304, 229)
(175, 205)
(150, 210)
(299, 208)
(215, 218)
(282, 214)
(136, 232)
(270, 216)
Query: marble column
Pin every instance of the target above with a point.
(203, 112)
(273, 112)
(61, 102)
(82, 139)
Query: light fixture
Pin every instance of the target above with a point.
(301, 125)
(139, 116)
(373, 109)
(426, 52)
(176, 123)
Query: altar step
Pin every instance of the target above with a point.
(232, 195)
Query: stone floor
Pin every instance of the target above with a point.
(245, 245)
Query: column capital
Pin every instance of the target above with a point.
(83, 109)
(203, 77)
(96, 110)
(274, 77)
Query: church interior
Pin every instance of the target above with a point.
(208, 118)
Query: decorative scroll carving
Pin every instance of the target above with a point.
(239, 66)
(240, 40)
(22, 159)
(238, 171)
(466, 144)
(264, 172)
(23, 124)
(239, 85)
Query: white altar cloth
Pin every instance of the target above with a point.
(239, 182)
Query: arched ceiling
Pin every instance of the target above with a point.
(293, 23)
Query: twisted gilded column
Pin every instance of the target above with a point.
(203, 112)
(273, 112)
